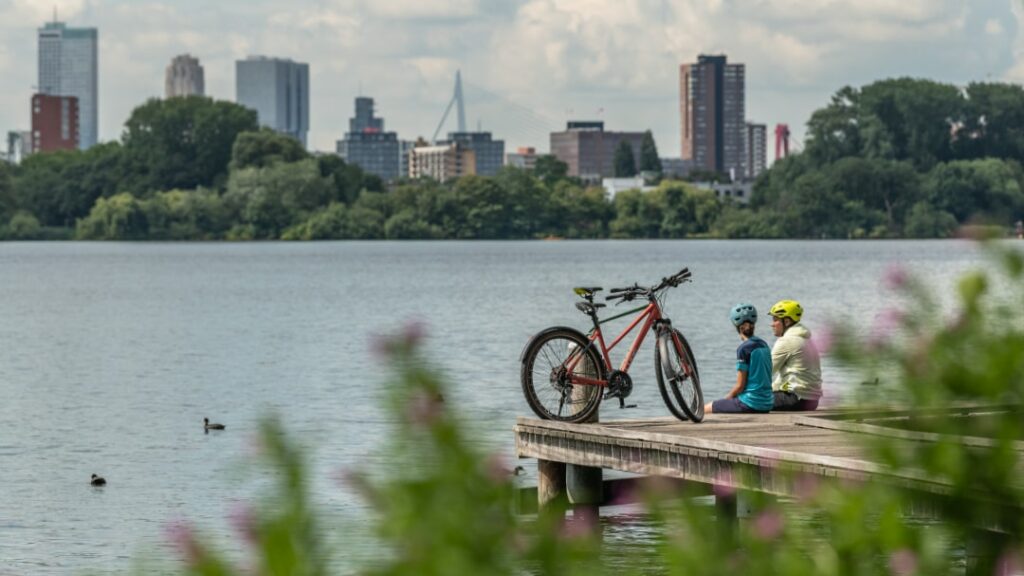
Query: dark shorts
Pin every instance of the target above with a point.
(732, 406)
(788, 401)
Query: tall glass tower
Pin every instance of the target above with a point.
(68, 65)
(278, 90)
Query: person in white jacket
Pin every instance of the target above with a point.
(796, 366)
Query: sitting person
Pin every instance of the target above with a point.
(753, 389)
(796, 367)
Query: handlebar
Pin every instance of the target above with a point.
(630, 292)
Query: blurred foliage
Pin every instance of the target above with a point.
(445, 507)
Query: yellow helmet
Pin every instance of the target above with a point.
(787, 309)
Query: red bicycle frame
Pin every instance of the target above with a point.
(650, 314)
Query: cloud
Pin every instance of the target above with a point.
(524, 62)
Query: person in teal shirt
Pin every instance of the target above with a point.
(753, 390)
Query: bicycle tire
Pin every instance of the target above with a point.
(680, 387)
(543, 376)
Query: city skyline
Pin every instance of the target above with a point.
(528, 66)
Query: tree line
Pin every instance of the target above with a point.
(896, 158)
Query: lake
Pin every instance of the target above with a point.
(111, 355)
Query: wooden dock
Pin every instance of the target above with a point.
(764, 453)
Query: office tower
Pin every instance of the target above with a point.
(184, 77)
(489, 154)
(55, 123)
(68, 64)
(441, 162)
(525, 158)
(278, 90)
(368, 146)
(589, 150)
(712, 108)
(756, 146)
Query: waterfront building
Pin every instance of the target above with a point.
(589, 150)
(405, 148)
(675, 167)
(441, 162)
(184, 77)
(712, 107)
(368, 146)
(489, 153)
(55, 123)
(278, 90)
(524, 158)
(739, 192)
(19, 145)
(755, 143)
(68, 66)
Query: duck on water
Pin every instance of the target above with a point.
(207, 425)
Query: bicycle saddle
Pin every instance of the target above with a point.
(587, 292)
(588, 307)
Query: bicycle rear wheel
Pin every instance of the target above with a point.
(545, 376)
(678, 378)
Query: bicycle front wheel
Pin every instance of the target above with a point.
(548, 364)
(678, 378)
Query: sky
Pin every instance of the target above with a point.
(528, 66)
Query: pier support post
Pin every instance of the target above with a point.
(583, 485)
(550, 482)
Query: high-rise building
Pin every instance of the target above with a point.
(524, 158)
(589, 150)
(68, 64)
(441, 162)
(278, 90)
(368, 146)
(756, 146)
(184, 77)
(55, 123)
(489, 154)
(712, 106)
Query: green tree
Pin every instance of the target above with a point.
(637, 215)
(993, 122)
(22, 226)
(549, 169)
(265, 147)
(649, 159)
(186, 215)
(60, 187)
(120, 217)
(925, 221)
(348, 180)
(182, 142)
(7, 200)
(274, 198)
(625, 160)
(988, 189)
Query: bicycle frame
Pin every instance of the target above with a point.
(650, 315)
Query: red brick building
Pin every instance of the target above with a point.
(54, 123)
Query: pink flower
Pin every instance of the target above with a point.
(1008, 564)
(245, 522)
(724, 486)
(896, 277)
(768, 525)
(903, 562)
(807, 487)
(407, 340)
(823, 339)
(180, 534)
(424, 408)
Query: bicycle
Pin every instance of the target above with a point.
(566, 374)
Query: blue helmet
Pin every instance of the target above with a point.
(743, 313)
